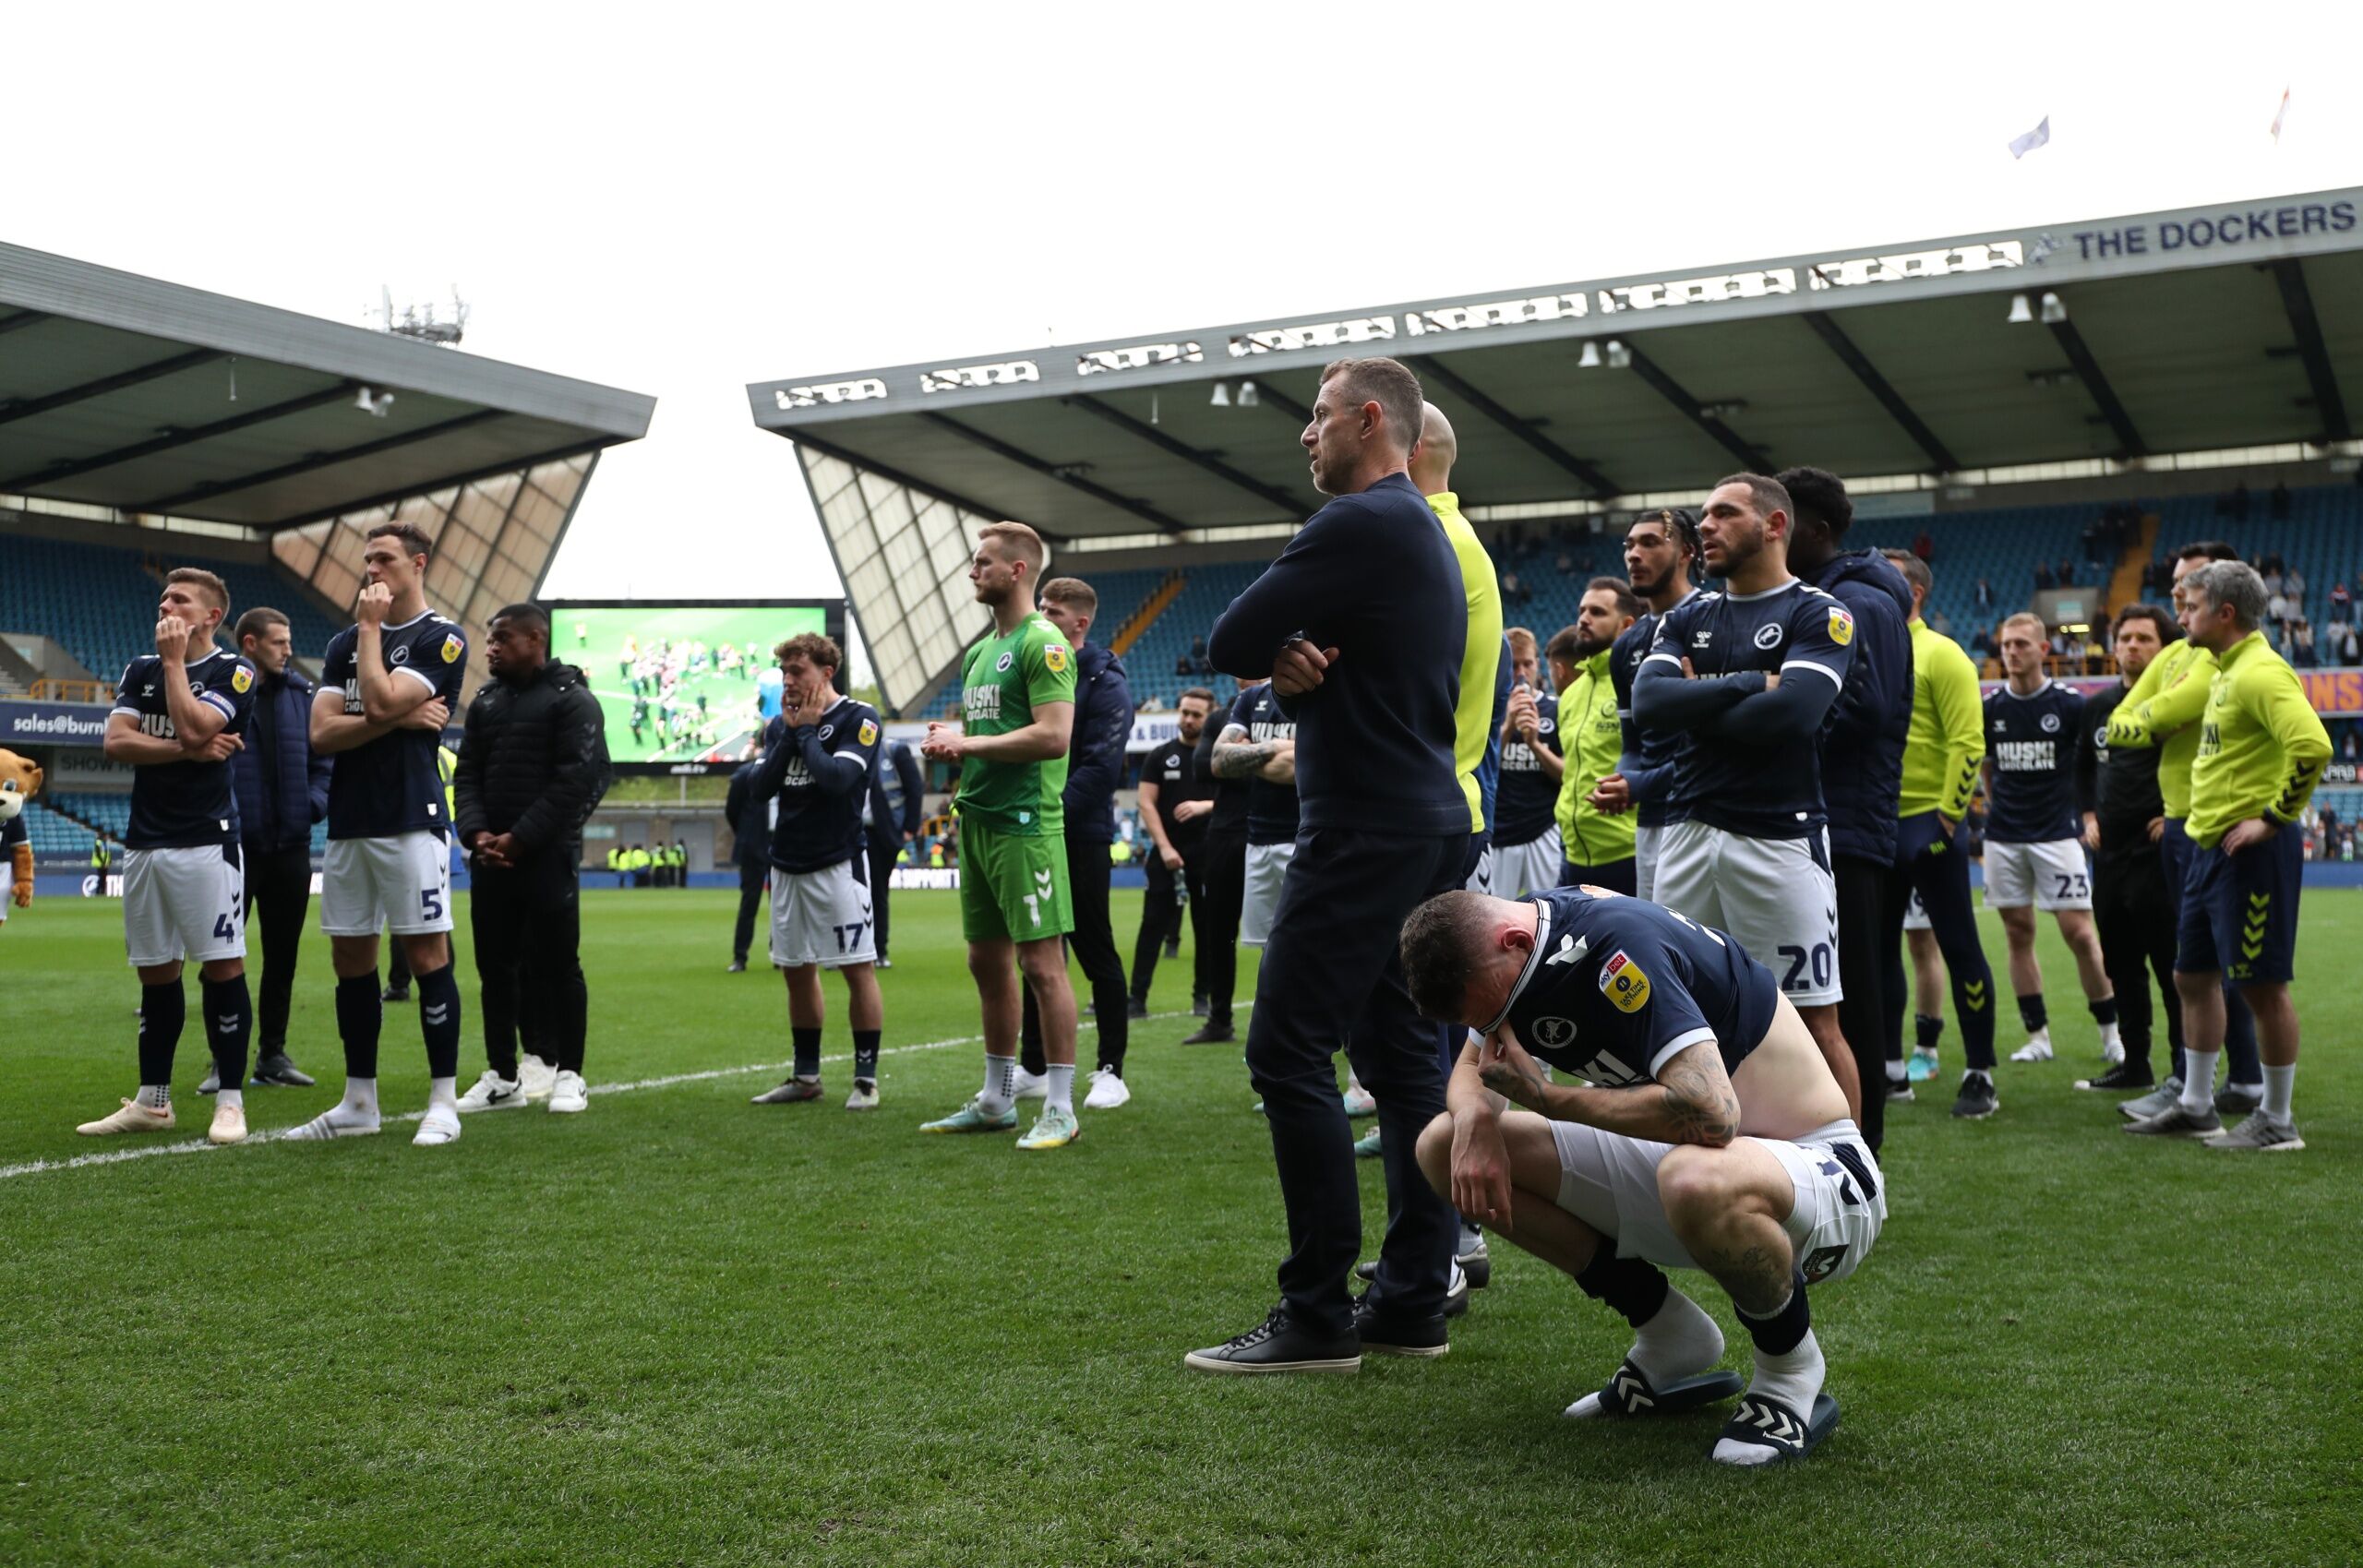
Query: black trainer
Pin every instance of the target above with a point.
(1976, 1100)
(738, 967)
(1276, 1345)
(1136, 1008)
(1384, 1333)
(2239, 1099)
(2124, 1075)
(276, 1071)
(1211, 1033)
(395, 993)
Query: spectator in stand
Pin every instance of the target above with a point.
(1981, 642)
(2341, 604)
(1566, 563)
(1941, 622)
(1513, 589)
(2278, 503)
(2237, 503)
(2060, 647)
(2095, 541)
(2066, 572)
(1924, 546)
(2293, 583)
(2277, 602)
(2043, 579)
(2342, 648)
(2302, 652)
(1984, 594)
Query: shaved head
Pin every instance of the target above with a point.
(1432, 459)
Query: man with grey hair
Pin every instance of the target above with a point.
(2261, 752)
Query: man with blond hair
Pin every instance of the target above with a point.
(1017, 704)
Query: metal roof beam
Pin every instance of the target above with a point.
(1435, 369)
(2071, 343)
(892, 475)
(2298, 300)
(1024, 458)
(1853, 359)
(448, 481)
(325, 459)
(1268, 393)
(1691, 409)
(154, 370)
(75, 468)
(1156, 438)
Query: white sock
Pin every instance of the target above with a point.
(1897, 1073)
(231, 1097)
(2198, 1080)
(2280, 1082)
(1000, 1084)
(443, 1091)
(360, 1096)
(1060, 1095)
(155, 1096)
(1680, 1342)
(2109, 1035)
(1792, 1379)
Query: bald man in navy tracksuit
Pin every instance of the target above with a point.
(1361, 624)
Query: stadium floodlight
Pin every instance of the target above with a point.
(1222, 395)
(1247, 397)
(1619, 356)
(2020, 312)
(373, 404)
(1589, 358)
(2054, 312)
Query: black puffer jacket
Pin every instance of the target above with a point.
(532, 761)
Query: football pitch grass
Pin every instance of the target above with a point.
(684, 1329)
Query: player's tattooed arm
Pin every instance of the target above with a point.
(1236, 757)
(1690, 1101)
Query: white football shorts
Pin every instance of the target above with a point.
(2049, 876)
(1267, 866)
(184, 903)
(823, 916)
(1609, 1182)
(370, 883)
(1530, 868)
(1646, 843)
(1777, 895)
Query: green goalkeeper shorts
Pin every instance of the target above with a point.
(1012, 887)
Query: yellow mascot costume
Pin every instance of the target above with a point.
(20, 782)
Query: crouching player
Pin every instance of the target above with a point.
(1712, 1136)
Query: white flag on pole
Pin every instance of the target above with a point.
(2280, 114)
(2023, 145)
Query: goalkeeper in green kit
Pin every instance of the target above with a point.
(1017, 702)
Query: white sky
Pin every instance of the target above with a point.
(682, 200)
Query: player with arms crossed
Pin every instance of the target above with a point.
(387, 688)
(1712, 1136)
(1661, 551)
(1753, 674)
(818, 766)
(1017, 693)
(177, 717)
(2034, 854)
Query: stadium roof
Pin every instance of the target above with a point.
(122, 391)
(2233, 326)
(2227, 326)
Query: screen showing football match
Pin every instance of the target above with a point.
(686, 687)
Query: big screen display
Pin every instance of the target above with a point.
(687, 687)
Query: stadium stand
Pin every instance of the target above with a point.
(84, 595)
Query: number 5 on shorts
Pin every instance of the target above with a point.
(430, 902)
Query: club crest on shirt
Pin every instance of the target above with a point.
(1768, 634)
(1055, 656)
(1841, 626)
(399, 655)
(450, 647)
(1003, 662)
(1622, 982)
(242, 679)
(869, 733)
(1555, 1033)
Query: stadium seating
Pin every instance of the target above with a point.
(87, 597)
(54, 836)
(2321, 538)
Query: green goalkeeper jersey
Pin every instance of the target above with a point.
(1003, 680)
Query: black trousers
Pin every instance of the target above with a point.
(1093, 942)
(280, 880)
(750, 899)
(882, 878)
(528, 925)
(1617, 875)
(2137, 924)
(1222, 867)
(1161, 916)
(1862, 970)
(1331, 979)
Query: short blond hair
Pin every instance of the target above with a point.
(1017, 539)
(1074, 592)
(215, 589)
(2028, 618)
(1522, 644)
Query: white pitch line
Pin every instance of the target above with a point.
(200, 1146)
